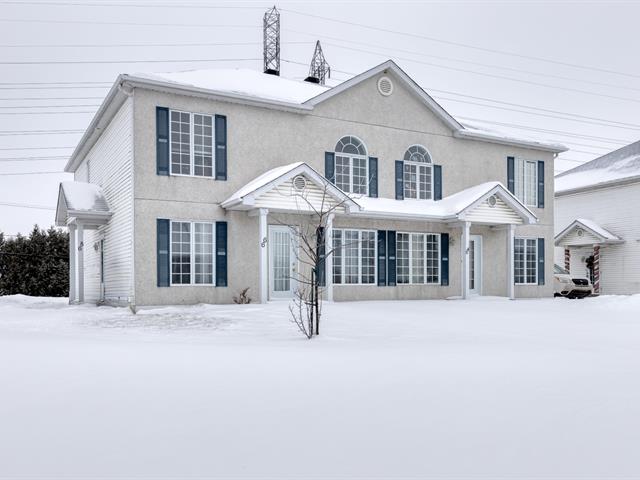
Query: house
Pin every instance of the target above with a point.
(186, 185)
(597, 221)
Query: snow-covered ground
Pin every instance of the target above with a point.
(487, 388)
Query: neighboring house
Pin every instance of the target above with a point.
(597, 221)
(199, 175)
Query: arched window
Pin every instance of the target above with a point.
(418, 173)
(352, 170)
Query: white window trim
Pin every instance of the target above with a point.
(192, 272)
(525, 270)
(343, 259)
(522, 163)
(418, 165)
(425, 269)
(191, 146)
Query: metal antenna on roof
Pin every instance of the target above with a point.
(319, 70)
(271, 31)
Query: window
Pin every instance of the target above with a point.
(191, 253)
(417, 258)
(526, 181)
(418, 173)
(352, 169)
(525, 261)
(191, 144)
(354, 257)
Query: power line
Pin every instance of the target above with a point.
(135, 24)
(134, 45)
(51, 98)
(45, 113)
(575, 135)
(53, 83)
(503, 77)
(48, 106)
(144, 5)
(460, 44)
(16, 159)
(83, 62)
(536, 114)
(37, 148)
(488, 65)
(52, 88)
(31, 173)
(43, 132)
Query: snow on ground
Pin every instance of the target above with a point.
(455, 389)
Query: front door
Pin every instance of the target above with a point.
(282, 262)
(475, 264)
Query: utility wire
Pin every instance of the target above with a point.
(15, 159)
(138, 5)
(37, 148)
(31, 173)
(49, 106)
(460, 44)
(135, 45)
(135, 24)
(44, 132)
(83, 62)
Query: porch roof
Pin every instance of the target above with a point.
(83, 202)
(583, 231)
(472, 204)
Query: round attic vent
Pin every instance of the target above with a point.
(385, 86)
(299, 183)
(492, 200)
(580, 232)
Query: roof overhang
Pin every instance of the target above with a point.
(67, 215)
(488, 137)
(499, 190)
(601, 234)
(245, 198)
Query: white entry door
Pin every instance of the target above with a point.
(475, 264)
(282, 262)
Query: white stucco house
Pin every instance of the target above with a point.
(597, 221)
(187, 185)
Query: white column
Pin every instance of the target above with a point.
(328, 264)
(72, 263)
(466, 227)
(511, 234)
(80, 250)
(263, 245)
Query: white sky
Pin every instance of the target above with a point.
(599, 35)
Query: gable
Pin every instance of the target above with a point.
(403, 108)
(285, 196)
(499, 213)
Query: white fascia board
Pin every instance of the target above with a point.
(487, 137)
(511, 200)
(402, 216)
(597, 186)
(172, 87)
(108, 109)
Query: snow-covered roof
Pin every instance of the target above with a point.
(602, 234)
(452, 207)
(80, 199)
(620, 165)
(245, 196)
(243, 81)
(449, 208)
(502, 135)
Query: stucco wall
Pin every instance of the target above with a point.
(260, 139)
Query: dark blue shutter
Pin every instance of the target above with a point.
(437, 182)
(399, 180)
(373, 177)
(382, 258)
(391, 258)
(330, 166)
(511, 174)
(221, 147)
(541, 261)
(540, 184)
(162, 251)
(444, 259)
(320, 240)
(221, 254)
(162, 141)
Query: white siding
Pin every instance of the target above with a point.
(615, 209)
(285, 197)
(573, 239)
(499, 213)
(110, 165)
